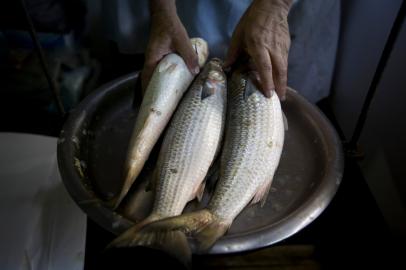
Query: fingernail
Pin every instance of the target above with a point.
(196, 70)
(283, 98)
(268, 93)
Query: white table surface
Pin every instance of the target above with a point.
(41, 227)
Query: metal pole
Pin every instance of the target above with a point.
(352, 145)
(51, 82)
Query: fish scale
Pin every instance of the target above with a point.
(190, 144)
(253, 145)
(170, 80)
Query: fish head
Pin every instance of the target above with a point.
(201, 48)
(215, 79)
(215, 73)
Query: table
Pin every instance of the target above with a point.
(41, 228)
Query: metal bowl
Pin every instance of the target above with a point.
(93, 144)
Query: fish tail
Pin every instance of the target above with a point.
(210, 234)
(154, 235)
(202, 224)
(170, 234)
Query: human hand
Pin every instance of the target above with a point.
(263, 34)
(167, 35)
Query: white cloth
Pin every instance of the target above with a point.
(314, 26)
(41, 227)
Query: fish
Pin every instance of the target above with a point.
(254, 139)
(252, 150)
(189, 148)
(170, 80)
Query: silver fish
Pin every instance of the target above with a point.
(253, 145)
(170, 80)
(188, 150)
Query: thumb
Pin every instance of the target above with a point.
(187, 52)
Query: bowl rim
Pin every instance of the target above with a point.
(100, 211)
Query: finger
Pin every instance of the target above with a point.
(153, 56)
(189, 55)
(280, 74)
(256, 80)
(262, 61)
(233, 51)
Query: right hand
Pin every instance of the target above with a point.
(167, 35)
(263, 35)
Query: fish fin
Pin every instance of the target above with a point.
(249, 89)
(189, 223)
(124, 239)
(202, 224)
(168, 235)
(198, 194)
(208, 236)
(262, 193)
(208, 89)
(285, 121)
(171, 242)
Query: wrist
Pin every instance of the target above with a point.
(273, 5)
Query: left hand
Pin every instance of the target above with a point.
(263, 34)
(167, 35)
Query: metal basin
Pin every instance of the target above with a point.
(93, 144)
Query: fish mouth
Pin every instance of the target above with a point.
(202, 52)
(216, 73)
